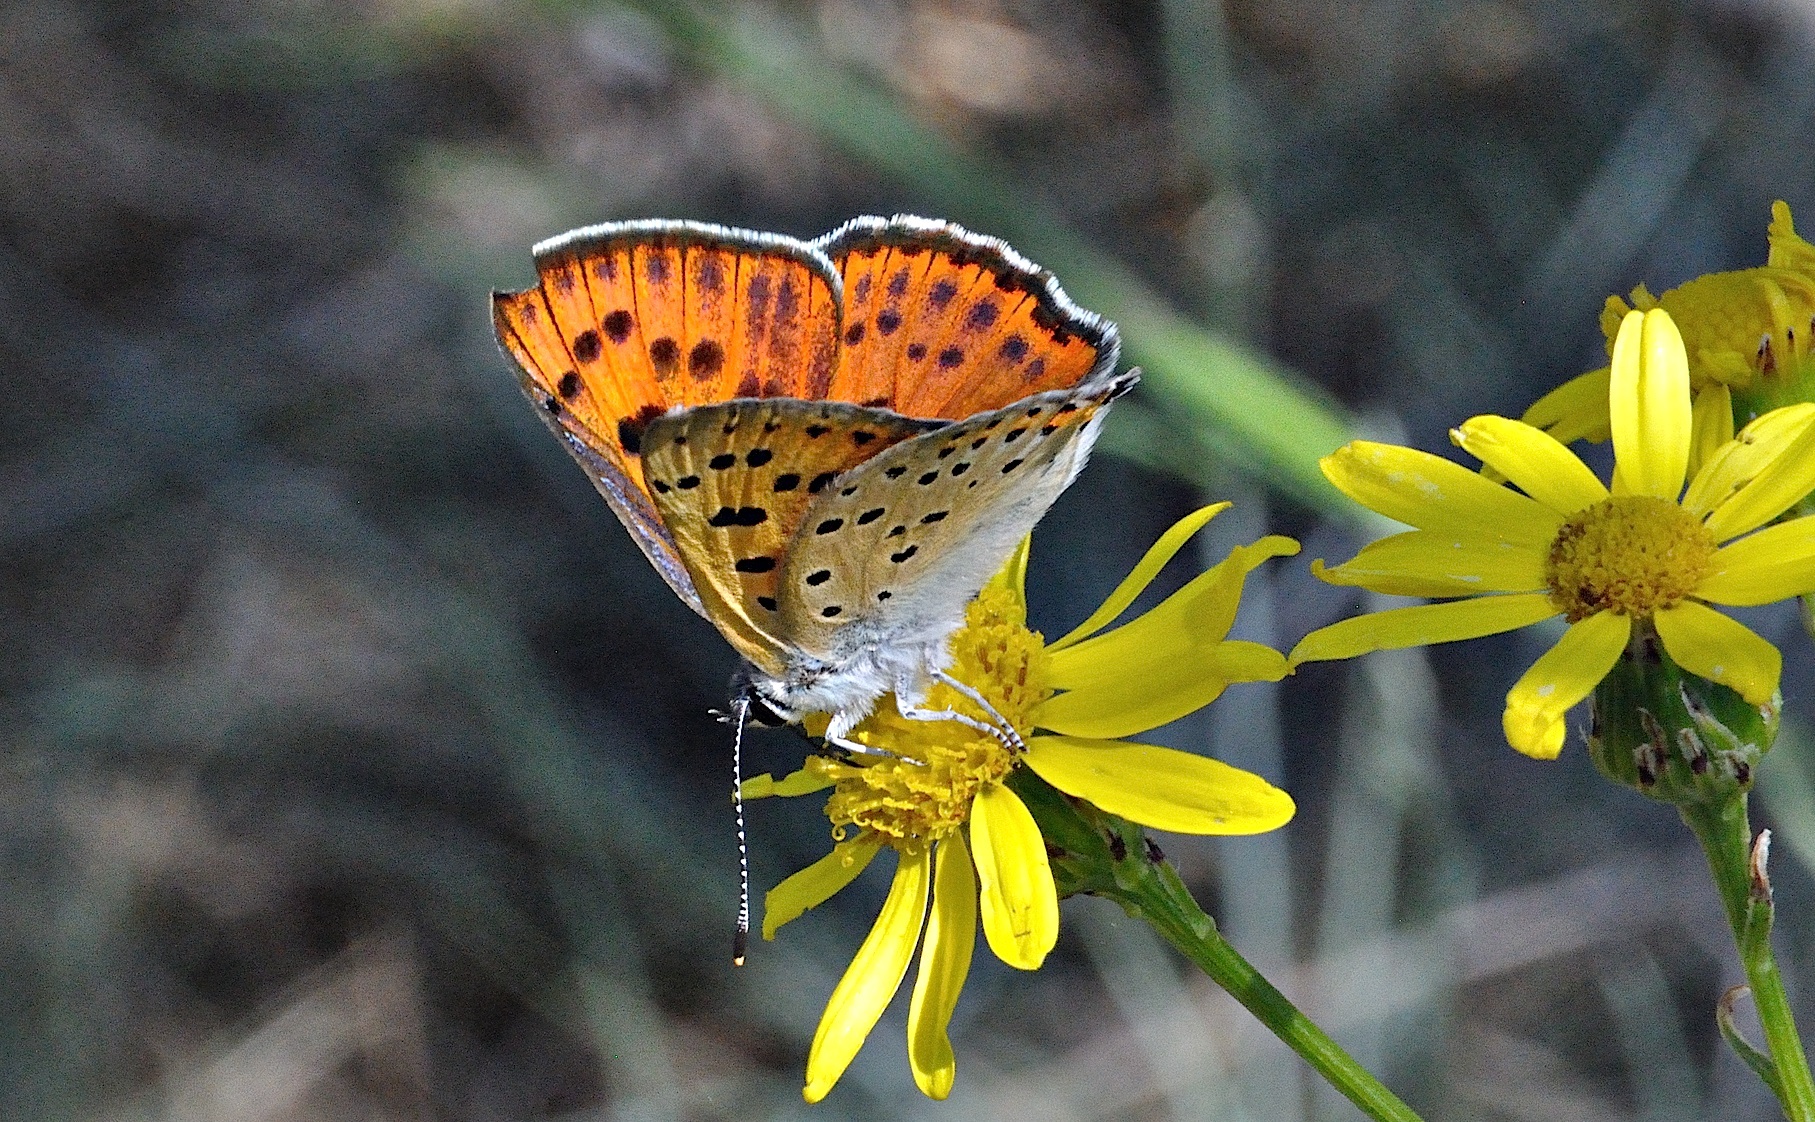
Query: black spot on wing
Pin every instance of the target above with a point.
(630, 429)
(664, 353)
(738, 516)
(706, 359)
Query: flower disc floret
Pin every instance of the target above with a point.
(924, 793)
(1630, 554)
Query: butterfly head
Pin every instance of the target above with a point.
(747, 686)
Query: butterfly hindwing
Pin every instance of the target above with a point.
(895, 551)
(941, 322)
(735, 480)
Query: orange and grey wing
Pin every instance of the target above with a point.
(941, 322)
(896, 550)
(628, 320)
(732, 481)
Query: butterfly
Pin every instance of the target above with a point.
(824, 447)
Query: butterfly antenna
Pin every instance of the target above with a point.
(740, 941)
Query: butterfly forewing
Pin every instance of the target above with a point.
(895, 551)
(735, 481)
(628, 320)
(940, 322)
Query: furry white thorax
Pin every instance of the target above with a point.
(847, 689)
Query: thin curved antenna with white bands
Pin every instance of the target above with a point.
(740, 941)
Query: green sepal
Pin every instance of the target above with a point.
(1672, 735)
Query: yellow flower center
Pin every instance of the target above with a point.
(923, 790)
(1631, 554)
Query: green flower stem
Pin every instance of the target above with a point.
(1101, 855)
(1726, 837)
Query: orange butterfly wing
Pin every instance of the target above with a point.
(632, 319)
(940, 322)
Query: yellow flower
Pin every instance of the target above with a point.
(1644, 558)
(936, 792)
(1747, 334)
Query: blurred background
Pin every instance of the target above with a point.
(357, 765)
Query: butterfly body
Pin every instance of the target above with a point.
(825, 448)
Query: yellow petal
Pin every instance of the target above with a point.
(1537, 705)
(1648, 404)
(1158, 787)
(1431, 493)
(1237, 660)
(1166, 682)
(1422, 563)
(1713, 424)
(874, 976)
(1575, 410)
(1020, 903)
(802, 782)
(1150, 666)
(1788, 249)
(945, 961)
(1427, 623)
(1774, 564)
(817, 883)
(1012, 578)
(1779, 485)
(1534, 460)
(1144, 571)
(1738, 462)
(1720, 649)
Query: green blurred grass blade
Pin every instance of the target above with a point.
(1276, 428)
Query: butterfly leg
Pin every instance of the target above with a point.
(1001, 730)
(1013, 738)
(859, 749)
